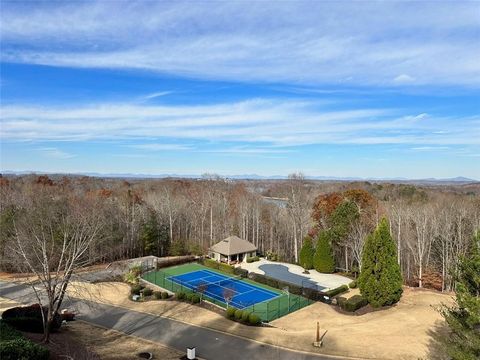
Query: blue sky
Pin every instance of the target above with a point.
(369, 89)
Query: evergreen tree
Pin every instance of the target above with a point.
(306, 253)
(149, 236)
(380, 279)
(463, 319)
(323, 260)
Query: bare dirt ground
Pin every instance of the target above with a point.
(404, 331)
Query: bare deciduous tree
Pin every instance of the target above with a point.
(53, 237)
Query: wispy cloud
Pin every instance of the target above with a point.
(359, 43)
(276, 123)
(55, 153)
(157, 94)
(162, 147)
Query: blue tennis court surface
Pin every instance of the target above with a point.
(217, 286)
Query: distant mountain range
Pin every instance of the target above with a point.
(455, 180)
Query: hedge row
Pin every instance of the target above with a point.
(252, 259)
(336, 291)
(352, 304)
(14, 346)
(29, 318)
(219, 266)
(277, 284)
(242, 316)
(176, 261)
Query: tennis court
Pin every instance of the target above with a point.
(267, 302)
(222, 287)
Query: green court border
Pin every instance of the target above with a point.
(268, 310)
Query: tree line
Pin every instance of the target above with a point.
(431, 226)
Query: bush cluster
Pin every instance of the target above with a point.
(189, 297)
(252, 259)
(165, 295)
(352, 304)
(136, 289)
(218, 266)
(210, 263)
(172, 262)
(242, 272)
(147, 292)
(243, 316)
(29, 318)
(14, 346)
(353, 284)
(226, 268)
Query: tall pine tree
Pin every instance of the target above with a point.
(323, 260)
(463, 319)
(380, 279)
(306, 253)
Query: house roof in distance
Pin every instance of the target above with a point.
(233, 245)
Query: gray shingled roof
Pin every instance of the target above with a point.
(233, 245)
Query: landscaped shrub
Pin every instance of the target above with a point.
(242, 272)
(132, 275)
(195, 299)
(254, 319)
(380, 279)
(323, 260)
(245, 316)
(251, 259)
(211, 263)
(226, 268)
(180, 295)
(157, 295)
(136, 289)
(336, 291)
(341, 301)
(22, 349)
(354, 303)
(8, 333)
(147, 292)
(188, 296)
(165, 295)
(238, 314)
(230, 312)
(353, 284)
(29, 318)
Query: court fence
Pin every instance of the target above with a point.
(267, 311)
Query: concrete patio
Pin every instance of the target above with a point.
(294, 274)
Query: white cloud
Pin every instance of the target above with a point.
(275, 123)
(403, 79)
(363, 43)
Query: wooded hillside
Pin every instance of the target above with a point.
(432, 225)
